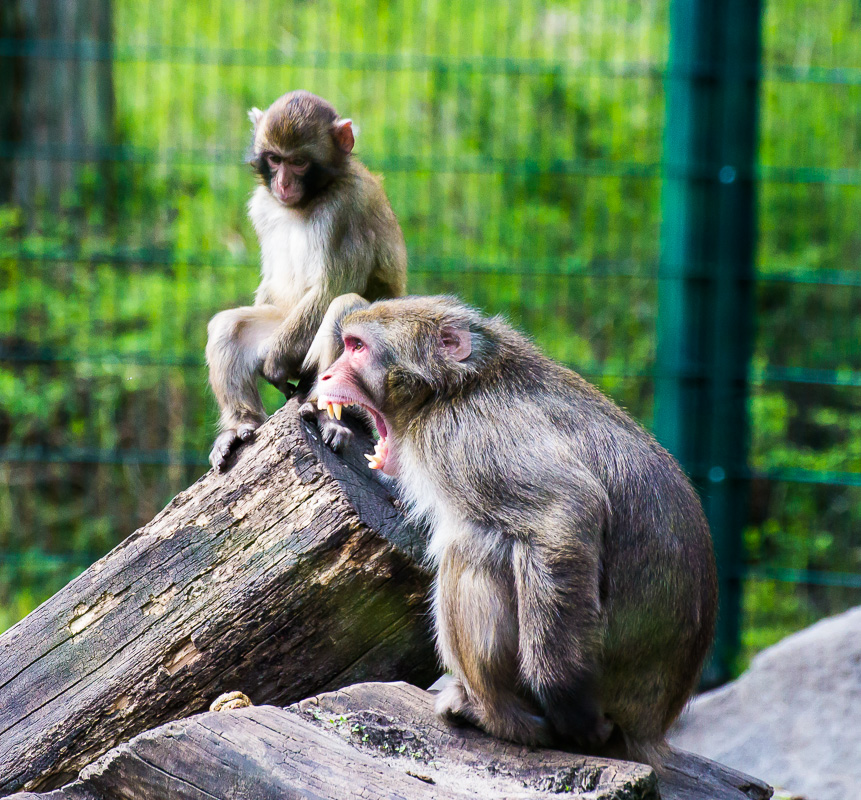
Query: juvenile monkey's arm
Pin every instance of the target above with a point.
(293, 337)
(348, 268)
(557, 580)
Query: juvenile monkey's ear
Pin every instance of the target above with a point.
(457, 342)
(342, 133)
(255, 115)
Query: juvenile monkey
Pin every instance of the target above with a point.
(326, 231)
(575, 593)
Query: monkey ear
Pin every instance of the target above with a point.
(255, 115)
(342, 132)
(457, 342)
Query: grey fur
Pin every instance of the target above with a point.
(576, 594)
(341, 238)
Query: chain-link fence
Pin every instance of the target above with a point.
(523, 149)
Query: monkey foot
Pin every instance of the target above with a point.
(227, 442)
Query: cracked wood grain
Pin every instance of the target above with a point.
(374, 741)
(291, 573)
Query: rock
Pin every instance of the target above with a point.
(794, 718)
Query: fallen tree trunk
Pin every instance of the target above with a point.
(291, 573)
(373, 741)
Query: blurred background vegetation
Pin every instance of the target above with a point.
(521, 144)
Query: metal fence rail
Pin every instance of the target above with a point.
(525, 150)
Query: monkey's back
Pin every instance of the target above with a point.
(376, 241)
(659, 582)
(659, 591)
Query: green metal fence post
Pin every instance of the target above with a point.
(706, 273)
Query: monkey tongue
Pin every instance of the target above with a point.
(379, 422)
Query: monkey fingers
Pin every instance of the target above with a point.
(335, 434)
(227, 442)
(453, 705)
(507, 716)
(276, 371)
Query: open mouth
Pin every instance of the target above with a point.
(379, 458)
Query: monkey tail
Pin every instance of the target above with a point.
(653, 752)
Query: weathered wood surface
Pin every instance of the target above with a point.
(273, 578)
(373, 741)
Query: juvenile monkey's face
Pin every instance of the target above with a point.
(286, 176)
(300, 147)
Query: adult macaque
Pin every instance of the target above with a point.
(326, 229)
(575, 596)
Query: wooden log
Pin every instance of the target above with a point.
(290, 573)
(374, 741)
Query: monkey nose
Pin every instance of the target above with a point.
(326, 377)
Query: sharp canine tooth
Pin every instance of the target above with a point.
(329, 411)
(337, 407)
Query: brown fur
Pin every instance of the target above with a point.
(575, 595)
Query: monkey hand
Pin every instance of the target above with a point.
(276, 370)
(580, 720)
(334, 433)
(596, 734)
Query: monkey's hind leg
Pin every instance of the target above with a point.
(499, 711)
(477, 640)
(236, 346)
(557, 582)
(322, 353)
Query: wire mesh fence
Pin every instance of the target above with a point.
(521, 145)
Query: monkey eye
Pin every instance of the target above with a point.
(273, 159)
(300, 164)
(353, 344)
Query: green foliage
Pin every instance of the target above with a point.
(521, 148)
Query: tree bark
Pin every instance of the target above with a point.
(291, 573)
(373, 741)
